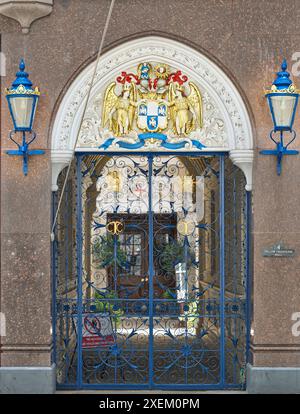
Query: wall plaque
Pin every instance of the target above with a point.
(278, 250)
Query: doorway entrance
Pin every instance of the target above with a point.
(151, 265)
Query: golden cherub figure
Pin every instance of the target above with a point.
(185, 111)
(119, 110)
(114, 182)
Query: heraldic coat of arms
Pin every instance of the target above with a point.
(155, 103)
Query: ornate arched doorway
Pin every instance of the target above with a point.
(151, 254)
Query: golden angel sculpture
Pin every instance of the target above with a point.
(185, 111)
(119, 111)
(153, 100)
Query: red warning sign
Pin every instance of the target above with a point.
(96, 331)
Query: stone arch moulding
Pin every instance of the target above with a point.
(220, 90)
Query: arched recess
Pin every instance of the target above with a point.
(226, 106)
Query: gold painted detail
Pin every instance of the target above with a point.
(154, 99)
(114, 181)
(186, 227)
(291, 89)
(115, 227)
(21, 90)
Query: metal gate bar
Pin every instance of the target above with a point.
(79, 270)
(222, 270)
(151, 272)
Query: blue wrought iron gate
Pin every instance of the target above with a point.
(151, 273)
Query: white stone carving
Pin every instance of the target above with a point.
(59, 161)
(25, 11)
(228, 111)
(244, 160)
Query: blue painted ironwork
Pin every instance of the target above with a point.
(151, 268)
(150, 136)
(237, 275)
(248, 208)
(65, 301)
(174, 305)
(23, 150)
(222, 269)
(280, 150)
(79, 269)
(282, 87)
(54, 280)
(22, 89)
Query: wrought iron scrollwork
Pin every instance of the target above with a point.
(151, 265)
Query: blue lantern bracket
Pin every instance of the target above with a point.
(281, 149)
(23, 150)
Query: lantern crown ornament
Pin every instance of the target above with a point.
(283, 100)
(283, 81)
(22, 101)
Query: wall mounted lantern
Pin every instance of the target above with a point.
(283, 100)
(22, 102)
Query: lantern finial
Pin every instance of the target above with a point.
(22, 65)
(283, 80)
(22, 77)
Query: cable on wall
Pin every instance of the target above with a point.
(83, 114)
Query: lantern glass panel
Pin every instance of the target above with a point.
(283, 110)
(23, 108)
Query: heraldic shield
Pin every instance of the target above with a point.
(152, 116)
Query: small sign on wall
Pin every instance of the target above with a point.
(278, 250)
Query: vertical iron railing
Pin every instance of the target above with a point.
(151, 272)
(79, 270)
(248, 274)
(222, 268)
(54, 282)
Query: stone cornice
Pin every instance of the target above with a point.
(25, 11)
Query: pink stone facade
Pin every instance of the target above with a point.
(247, 40)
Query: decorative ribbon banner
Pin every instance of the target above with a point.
(150, 135)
